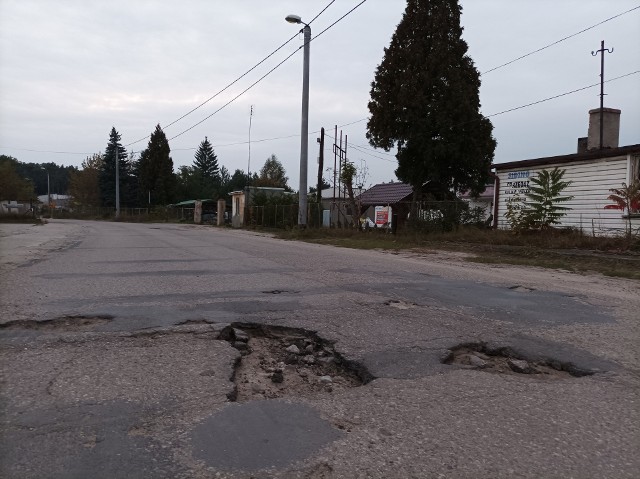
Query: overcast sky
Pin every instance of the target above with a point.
(72, 69)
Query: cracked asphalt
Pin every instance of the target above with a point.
(112, 364)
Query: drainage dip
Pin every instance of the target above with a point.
(505, 360)
(281, 362)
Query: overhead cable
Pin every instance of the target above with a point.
(559, 41)
(266, 74)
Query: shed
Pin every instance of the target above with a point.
(592, 172)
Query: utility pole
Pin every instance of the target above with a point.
(602, 51)
(320, 164)
(249, 163)
(304, 143)
(117, 181)
(339, 154)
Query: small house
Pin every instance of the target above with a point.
(592, 171)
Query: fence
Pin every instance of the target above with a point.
(430, 216)
(281, 216)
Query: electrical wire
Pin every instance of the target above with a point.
(321, 12)
(266, 74)
(561, 95)
(339, 20)
(223, 90)
(358, 147)
(234, 81)
(559, 41)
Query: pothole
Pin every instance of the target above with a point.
(521, 289)
(505, 360)
(281, 362)
(63, 323)
(398, 304)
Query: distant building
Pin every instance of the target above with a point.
(58, 202)
(396, 195)
(592, 171)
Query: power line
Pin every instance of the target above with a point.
(355, 146)
(561, 95)
(560, 41)
(234, 81)
(339, 19)
(321, 12)
(223, 90)
(47, 151)
(266, 74)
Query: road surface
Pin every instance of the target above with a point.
(164, 350)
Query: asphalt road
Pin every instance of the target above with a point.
(113, 363)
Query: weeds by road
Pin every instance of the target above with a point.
(572, 251)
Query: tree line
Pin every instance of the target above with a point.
(147, 179)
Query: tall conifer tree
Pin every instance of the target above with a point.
(206, 161)
(155, 171)
(425, 102)
(107, 175)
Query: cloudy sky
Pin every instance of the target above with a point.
(72, 69)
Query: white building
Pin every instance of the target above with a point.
(592, 172)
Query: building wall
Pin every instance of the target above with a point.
(591, 182)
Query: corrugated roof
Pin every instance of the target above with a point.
(386, 194)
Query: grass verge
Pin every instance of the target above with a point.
(556, 249)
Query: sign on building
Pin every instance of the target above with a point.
(383, 215)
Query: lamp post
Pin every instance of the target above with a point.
(304, 130)
(48, 192)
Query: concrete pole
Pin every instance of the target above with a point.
(304, 132)
(49, 195)
(117, 183)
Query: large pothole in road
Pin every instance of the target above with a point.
(505, 360)
(63, 323)
(281, 362)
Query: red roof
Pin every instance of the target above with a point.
(386, 194)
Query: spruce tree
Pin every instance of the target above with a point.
(425, 102)
(107, 175)
(206, 161)
(155, 171)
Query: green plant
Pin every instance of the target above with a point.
(543, 201)
(626, 199)
(516, 214)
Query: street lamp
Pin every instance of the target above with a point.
(304, 130)
(48, 192)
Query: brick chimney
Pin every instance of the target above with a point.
(610, 132)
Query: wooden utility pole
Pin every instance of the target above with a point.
(320, 165)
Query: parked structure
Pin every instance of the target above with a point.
(592, 172)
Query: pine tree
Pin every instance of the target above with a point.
(107, 176)
(425, 102)
(206, 161)
(155, 171)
